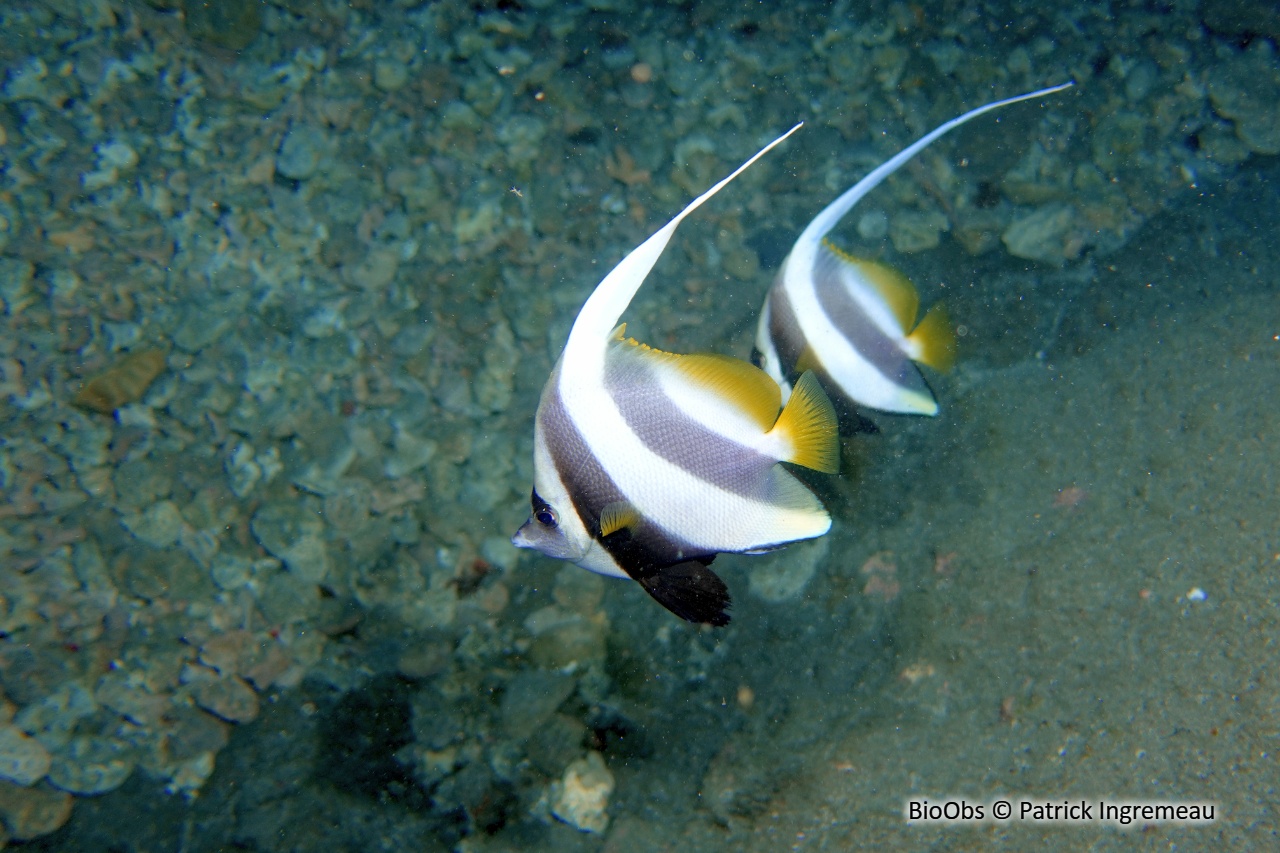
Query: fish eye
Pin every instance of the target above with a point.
(542, 511)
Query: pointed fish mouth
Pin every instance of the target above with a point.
(520, 539)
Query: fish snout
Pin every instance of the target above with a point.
(521, 538)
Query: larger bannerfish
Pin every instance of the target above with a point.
(853, 321)
(648, 464)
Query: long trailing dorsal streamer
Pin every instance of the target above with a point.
(834, 212)
(600, 315)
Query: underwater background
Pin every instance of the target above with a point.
(282, 281)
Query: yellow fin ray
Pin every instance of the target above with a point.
(933, 342)
(616, 516)
(894, 288)
(809, 424)
(743, 384)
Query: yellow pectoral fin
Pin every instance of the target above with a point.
(743, 384)
(808, 423)
(617, 516)
(933, 342)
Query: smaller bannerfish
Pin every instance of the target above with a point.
(648, 464)
(853, 321)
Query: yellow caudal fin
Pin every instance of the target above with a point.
(808, 424)
(933, 342)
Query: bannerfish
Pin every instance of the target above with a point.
(853, 321)
(647, 464)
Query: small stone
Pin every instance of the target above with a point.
(227, 697)
(226, 652)
(917, 231)
(231, 24)
(474, 224)
(300, 152)
(411, 453)
(200, 327)
(117, 691)
(231, 571)
(267, 668)
(347, 508)
(1246, 89)
(22, 759)
(496, 383)
(52, 720)
(390, 74)
(555, 742)
(124, 383)
(531, 697)
(498, 551)
(577, 641)
(91, 765)
(424, 661)
(578, 590)
(783, 576)
(285, 598)
(742, 263)
(1042, 234)
(375, 272)
(493, 598)
(243, 471)
(580, 799)
(190, 775)
(190, 733)
(158, 526)
(873, 225)
(737, 784)
(32, 812)
(115, 155)
(254, 657)
(292, 535)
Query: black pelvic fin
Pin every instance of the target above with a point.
(689, 590)
(854, 423)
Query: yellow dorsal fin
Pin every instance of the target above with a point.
(809, 424)
(894, 288)
(620, 336)
(616, 516)
(933, 342)
(741, 383)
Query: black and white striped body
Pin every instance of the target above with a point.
(647, 464)
(854, 321)
(840, 327)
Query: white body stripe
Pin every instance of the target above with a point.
(590, 553)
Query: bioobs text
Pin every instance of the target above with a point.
(958, 810)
